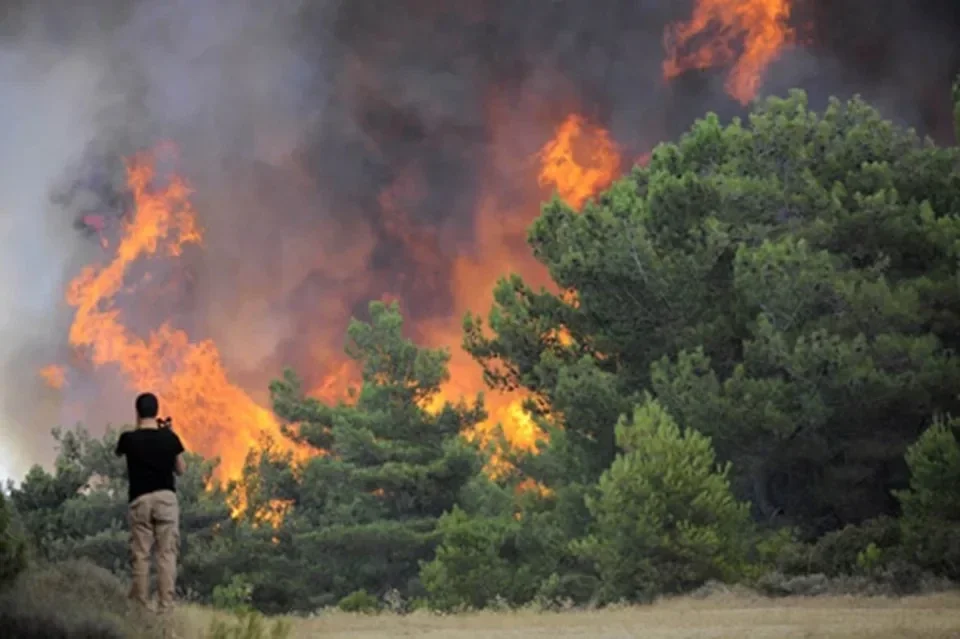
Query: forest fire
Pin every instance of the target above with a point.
(212, 415)
(219, 417)
(216, 417)
(758, 27)
(576, 163)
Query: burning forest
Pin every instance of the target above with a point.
(245, 244)
(219, 418)
(686, 270)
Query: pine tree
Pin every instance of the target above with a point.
(666, 520)
(369, 508)
(931, 507)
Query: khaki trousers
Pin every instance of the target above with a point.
(154, 524)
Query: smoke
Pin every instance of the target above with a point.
(343, 151)
(900, 56)
(50, 104)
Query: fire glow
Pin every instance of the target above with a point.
(758, 26)
(217, 418)
(214, 416)
(576, 180)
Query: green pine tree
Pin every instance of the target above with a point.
(666, 520)
(366, 513)
(931, 507)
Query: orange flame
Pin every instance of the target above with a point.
(337, 384)
(212, 415)
(274, 513)
(579, 161)
(54, 376)
(760, 24)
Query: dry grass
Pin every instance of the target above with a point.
(719, 616)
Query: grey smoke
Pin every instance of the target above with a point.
(49, 105)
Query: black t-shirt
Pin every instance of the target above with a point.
(151, 458)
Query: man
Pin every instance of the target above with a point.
(154, 454)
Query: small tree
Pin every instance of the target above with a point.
(666, 520)
(931, 507)
(469, 568)
(370, 507)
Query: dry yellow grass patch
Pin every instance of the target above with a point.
(934, 616)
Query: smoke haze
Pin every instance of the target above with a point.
(343, 151)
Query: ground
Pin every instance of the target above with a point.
(934, 616)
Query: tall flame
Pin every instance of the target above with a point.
(578, 161)
(212, 415)
(761, 25)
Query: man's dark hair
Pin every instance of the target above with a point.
(147, 406)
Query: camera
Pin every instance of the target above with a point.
(165, 422)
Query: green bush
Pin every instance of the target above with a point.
(248, 624)
(359, 601)
(856, 549)
(666, 521)
(72, 600)
(931, 507)
(235, 596)
(793, 559)
(560, 591)
(485, 559)
(469, 569)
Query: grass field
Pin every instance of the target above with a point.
(936, 616)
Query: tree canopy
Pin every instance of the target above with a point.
(786, 285)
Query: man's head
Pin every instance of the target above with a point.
(147, 406)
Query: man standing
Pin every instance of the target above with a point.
(154, 453)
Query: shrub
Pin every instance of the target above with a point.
(72, 600)
(485, 559)
(248, 624)
(568, 589)
(235, 596)
(931, 507)
(896, 579)
(666, 520)
(359, 601)
(856, 549)
(470, 568)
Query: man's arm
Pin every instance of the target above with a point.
(119, 449)
(180, 465)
